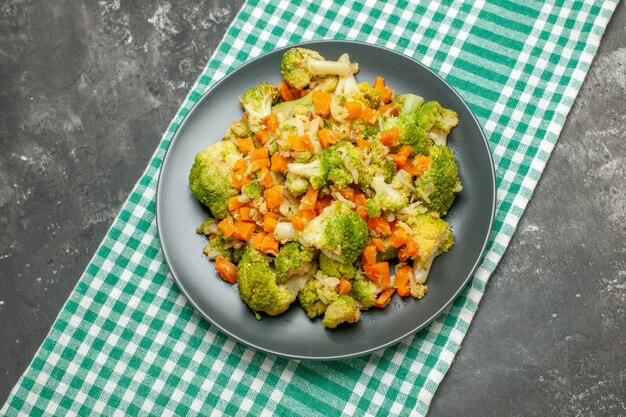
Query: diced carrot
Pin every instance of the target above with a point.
(239, 180)
(269, 245)
(344, 286)
(234, 204)
(265, 179)
(300, 143)
(379, 82)
(269, 222)
(302, 218)
(304, 92)
(362, 143)
(369, 254)
(384, 298)
(379, 225)
(243, 230)
(402, 155)
(227, 226)
(360, 202)
(245, 213)
(262, 136)
(274, 197)
(389, 110)
(310, 198)
(386, 94)
(245, 145)
(354, 109)
(419, 165)
(321, 102)
(295, 92)
(378, 242)
(347, 193)
(270, 122)
(284, 91)
(240, 165)
(245, 116)
(398, 237)
(408, 250)
(226, 269)
(402, 281)
(322, 203)
(389, 136)
(378, 273)
(261, 153)
(327, 137)
(279, 163)
(257, 240)
(369, 115)
(259, 164)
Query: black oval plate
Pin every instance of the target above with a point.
(293, 334)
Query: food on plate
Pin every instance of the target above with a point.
(328, 191)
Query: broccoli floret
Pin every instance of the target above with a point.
(237, 129)
(217, 241)
(299, 65)
(340, 130)
(361, 129)
(252, 190)
(438, 186)
(377, 161)
(287, 106)
(344, 164)
(408, 103)
(388, 253)
(343, 309)
(335, 269)
(316, 171)
(364, 291)
(293, 259)
(337, 108)
(388, 197)
(210, 179)
(258, 102)
(433, 237)
(436, 120)
(258, 287)
(369, 96)
(296, 184)
(317, 294)
(327, 84)
(338, 232)
(302, 156)
(410, 133)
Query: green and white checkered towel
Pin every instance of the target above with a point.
(128, 343)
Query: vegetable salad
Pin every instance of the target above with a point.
(328, 191)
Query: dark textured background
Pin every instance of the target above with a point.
(86, 90)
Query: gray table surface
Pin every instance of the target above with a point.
(86, 90)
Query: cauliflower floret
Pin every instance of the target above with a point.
(210, 179)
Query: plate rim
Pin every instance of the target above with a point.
(429, 320)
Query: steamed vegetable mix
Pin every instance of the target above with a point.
(328, 191)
